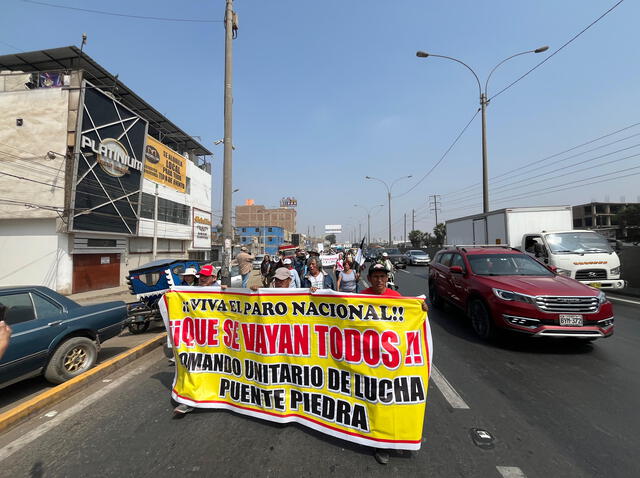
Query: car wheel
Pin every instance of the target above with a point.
(139, 327)
(434, 297)
(481, 320)
(72, 357)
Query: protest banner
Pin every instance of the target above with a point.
(352, 366)
(328, 260)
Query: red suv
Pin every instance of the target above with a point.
(502, 288)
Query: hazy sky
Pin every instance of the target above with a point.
(326, 92)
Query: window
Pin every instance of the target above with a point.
(150, 278)
(188, 185)
(270, 229)
(168, 211)
(16, 308)
(445, 259)
(177, 270)
(45, 308)
(457, 260)
(244, 229)
(257, 229)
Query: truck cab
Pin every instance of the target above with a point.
(583, 255)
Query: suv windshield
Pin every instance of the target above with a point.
(507, 265)
(392, 251)
(577, 242)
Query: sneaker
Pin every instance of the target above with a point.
(381, 456)
(181, 410)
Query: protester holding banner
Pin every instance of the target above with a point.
(281, 279)
(189, 277)
(295, 278)
(316, 278)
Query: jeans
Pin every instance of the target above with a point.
(245, 279)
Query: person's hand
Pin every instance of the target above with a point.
(5, 335)
(254, 288)
(313, 289)
(224, 287)
(425, 307)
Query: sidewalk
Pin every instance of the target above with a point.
(103, 295)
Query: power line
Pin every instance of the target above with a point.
(579, 163)
(114, 14)
(537, 163)
(557, 51)
(441, 157)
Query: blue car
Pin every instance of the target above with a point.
(53, 335)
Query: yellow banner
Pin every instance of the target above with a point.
(164, 166)
(349, 365)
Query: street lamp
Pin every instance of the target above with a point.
(483, 105)
(389, 188)
(369, 211)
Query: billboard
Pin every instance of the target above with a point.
(201, 229)
(108, 165)
(164, 166)
(288, 202)
(333, 228)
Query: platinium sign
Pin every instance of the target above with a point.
(108, 165)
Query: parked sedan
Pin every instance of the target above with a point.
(53, 335)
(417, 257)
(257, 262)
(502, 288)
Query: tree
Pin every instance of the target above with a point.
(629, 216)
(429, 239)
(440, 231)
(331, 238)
(415, 237)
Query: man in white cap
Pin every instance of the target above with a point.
(245, 263)
(189, 276)
(295, 278)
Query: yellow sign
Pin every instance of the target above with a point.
(164, 166)
(349, 365)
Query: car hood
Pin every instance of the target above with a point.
(420, 256)
(532, 285)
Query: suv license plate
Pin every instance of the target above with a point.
(572, 320)
(597, 285)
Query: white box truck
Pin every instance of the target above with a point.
(547, 234)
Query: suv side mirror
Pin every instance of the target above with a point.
(456, 270)
(553, 269)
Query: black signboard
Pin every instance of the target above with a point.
(109, 162)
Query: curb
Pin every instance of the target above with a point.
(54, 395)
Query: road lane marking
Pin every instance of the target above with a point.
(623, 300)
(37, 432)
(511, 472)
(402, 270)
(454, 399)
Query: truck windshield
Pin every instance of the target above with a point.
(394, 252)
(506, 265)
(577, 243)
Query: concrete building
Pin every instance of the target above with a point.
(263, 239)
(599, 216)
(83, 160)
(252, 215)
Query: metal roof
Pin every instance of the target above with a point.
(70, 58)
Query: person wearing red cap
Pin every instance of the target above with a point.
(207, 276)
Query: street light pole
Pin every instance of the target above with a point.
(484, 101)
(389, 188)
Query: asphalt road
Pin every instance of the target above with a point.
(553, 408)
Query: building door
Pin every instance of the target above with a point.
(95, 271)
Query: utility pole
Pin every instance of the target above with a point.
(413, 219)
(405, 227)
(155, 224)
(227, 188)
(434, 205)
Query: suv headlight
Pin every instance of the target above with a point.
(563, 272)
(514, 296)
(602, 298)
(615, 271)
